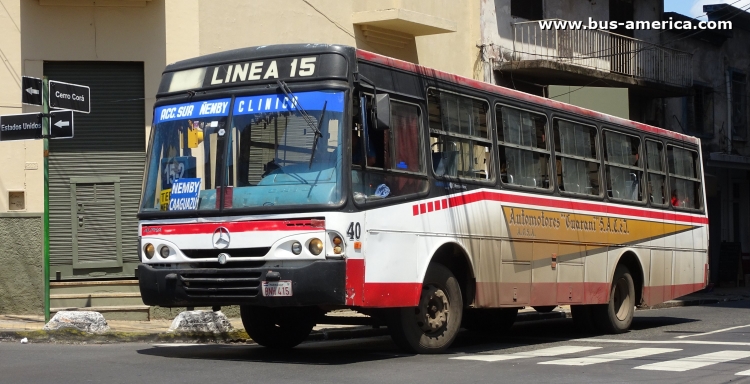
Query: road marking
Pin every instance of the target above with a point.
(712, 332)
(743, 373)
(693, 362)
(696, 342)
(610, 357)
(546, 352)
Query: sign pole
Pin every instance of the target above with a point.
(45, 138)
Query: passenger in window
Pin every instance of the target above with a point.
(674, 201)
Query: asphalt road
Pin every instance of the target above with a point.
(704, 344)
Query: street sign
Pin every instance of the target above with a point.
(24, 126)
(69, 96)
(31, 90)
(61, 125)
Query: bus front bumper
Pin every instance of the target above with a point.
(318, 283)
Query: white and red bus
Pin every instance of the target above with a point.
(293, 180)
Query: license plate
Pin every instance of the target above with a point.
(277, 288)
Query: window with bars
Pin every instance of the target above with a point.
(739, 106)
(577, 159)
(701, 111)
(523, 147)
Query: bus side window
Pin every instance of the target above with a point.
(684, 178)
(623, 166)
(577, 157)
(524, 148)
(657, 177)
(394, 156)
(460, 144)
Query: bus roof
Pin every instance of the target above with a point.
(465, 81)
(263, 51)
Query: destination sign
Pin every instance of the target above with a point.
(266, 70)
(198, 109)
(69, 96)
(311, 101)
(24, 126)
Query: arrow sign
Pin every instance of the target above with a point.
(69, 96)
(61, 125)
(32, 90)
(24, 126)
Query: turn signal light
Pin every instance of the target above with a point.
(149, 250)
(316, 246)
(337, 240)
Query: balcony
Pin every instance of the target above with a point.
(580, 57)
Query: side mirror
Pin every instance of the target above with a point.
(382, 111)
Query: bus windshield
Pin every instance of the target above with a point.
(271, 160)
(268, 159)
(184, 145)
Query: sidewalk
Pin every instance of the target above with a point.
(15, 327)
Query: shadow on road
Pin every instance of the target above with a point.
(339, 352)
(342, 352)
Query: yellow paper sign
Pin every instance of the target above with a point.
(164, 199)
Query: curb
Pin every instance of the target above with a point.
(690, 303)
(73, 336)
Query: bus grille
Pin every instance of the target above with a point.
(225, 284)
(234, 252)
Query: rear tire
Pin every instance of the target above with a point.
(432, 326)
(617, 315)
(491, 321)
(280, 328)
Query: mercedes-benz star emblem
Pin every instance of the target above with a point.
(221, 238)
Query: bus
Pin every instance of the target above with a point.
(295, 180)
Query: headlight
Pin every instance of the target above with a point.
(316, 246)
(164, 251)
(148, 249)
(296, 248)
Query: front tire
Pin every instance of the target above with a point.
(432, 326)
(280, 328)
(617, 315)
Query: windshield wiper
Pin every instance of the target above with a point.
(308, 119)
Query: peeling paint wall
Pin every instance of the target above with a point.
(21, 259)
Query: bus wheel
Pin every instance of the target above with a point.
(617, 315)
(277, 327)
(492, 321)
(433, 325)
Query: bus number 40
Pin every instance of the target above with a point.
(354, 231)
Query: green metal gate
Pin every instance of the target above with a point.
(95, 177)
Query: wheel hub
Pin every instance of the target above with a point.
(433, 309)
(621, 299)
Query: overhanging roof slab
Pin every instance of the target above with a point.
(405, 21)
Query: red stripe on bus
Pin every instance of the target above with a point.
(433, 73)
(361, 294)
(382, 295)
(659, 294)
(234, 226)
(569, 204)
(355, 280)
